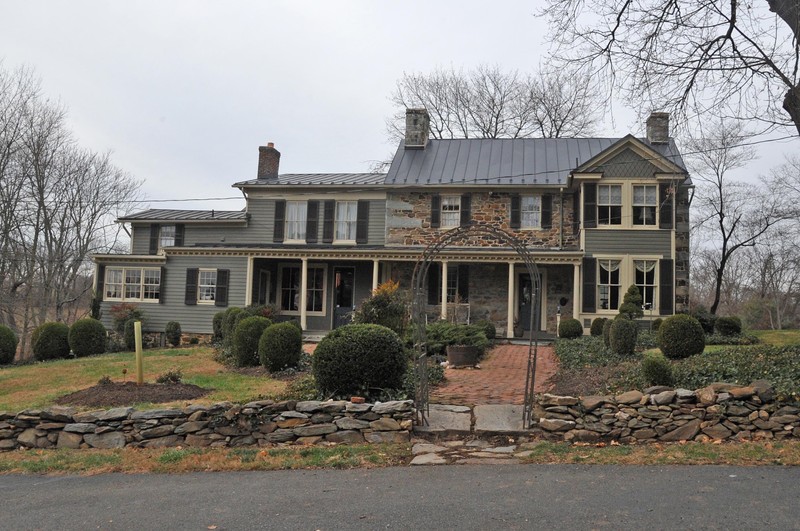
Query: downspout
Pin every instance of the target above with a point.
(561, 219)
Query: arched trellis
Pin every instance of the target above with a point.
(419, 303)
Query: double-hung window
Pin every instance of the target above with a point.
(206, 286)
(644, 204)
(296, 216)
(531, 211)
(132, 284)
(451, 211)
(346, 218)
(608, 284)
(645, 273)
(290, 284)
(609, 204)
(166, 236)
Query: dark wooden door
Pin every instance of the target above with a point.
(343, 295)
(525, 301)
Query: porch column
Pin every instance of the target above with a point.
(576, 291)
(303, 294)
(510, 308)
(375, 275)
(248, 289)
(444, 290)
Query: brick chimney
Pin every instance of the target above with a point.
(269, 160)
(417, 128)
(658, 128)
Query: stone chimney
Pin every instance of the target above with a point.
(658, 128)
(269, 160)
(417, 128)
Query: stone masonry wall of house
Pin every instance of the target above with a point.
(409, 221)
(660, 414)
(262, 423)
(682, 250)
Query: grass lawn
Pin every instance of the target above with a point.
(37, 385)
(779, 338)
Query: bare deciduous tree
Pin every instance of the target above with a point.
(490, 103)
(739, 58)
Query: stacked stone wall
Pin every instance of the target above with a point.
(661, 414)
(261, 423)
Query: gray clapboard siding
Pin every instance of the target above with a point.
(140, 239)
(611, 241)
(193, 319)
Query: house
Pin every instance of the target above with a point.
(597, 214)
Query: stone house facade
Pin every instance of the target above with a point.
(596, 214)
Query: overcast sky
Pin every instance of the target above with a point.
(184, 92)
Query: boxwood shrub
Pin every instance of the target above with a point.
(656, 324)
(216, 325)
(570, 329)
(681, 336)
(280, 346)
(359, 359)
(173, 333)
(8, 345)
(87, 337)
(728, 326)
(246, 336)
(607, 332)
(230, 321)
(597, 326)
(129, 334)
(622, 337)
(52, 342)
(657, 369)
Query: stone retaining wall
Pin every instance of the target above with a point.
(719, 412)
(262, 423)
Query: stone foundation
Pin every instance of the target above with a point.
(261, 423)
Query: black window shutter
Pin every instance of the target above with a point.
(161, 285)
(576, 212)
(101, 282)
(433, 284)
(154, 230)
(589, 279)
(516, 215)
(665, 207)
(436, 211)
(362, 221)
(312, 221)
(279, 229)
(589, 205)
(463, 282)
(665, 289)
(329, 212)
(547, 211)
(466, 209)
(180, 234)
(221, 295)
(191, 286)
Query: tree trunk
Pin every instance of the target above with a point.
(791, 104)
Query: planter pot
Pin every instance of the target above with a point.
(518, 331)
(460, 356)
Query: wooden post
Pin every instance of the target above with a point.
(304, 295)
(444, 290)
(576, 292)
(137, 330)
(374, 275)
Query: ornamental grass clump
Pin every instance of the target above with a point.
(87, 337)
(280, 346)
(245, 340)
(359, 359)
(681, 336)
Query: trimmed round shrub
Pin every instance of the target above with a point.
(8, 345)
(87, 337)
(570, 329)
(706, 319)
(488, 328)
(129, 334)
(354, 359)
(246, 336)
(597, 326)
(52, 342)
(622, 337)
(230, 321)
(280, 346)
(657, 369)
(681, 336)
(173, 333)
(607, 332)
(728, 326)
(656, 324)
(216, 325)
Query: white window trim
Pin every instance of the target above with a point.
(634, 205)
(122, 289)
(161, 235)
(627, 205)
(627, 277)
(442, 211)
(522, 225)
(279, 288)
(216, 283)
(336, 224)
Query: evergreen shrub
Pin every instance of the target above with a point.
(570, 329)
(597, 326)
(657, 369)
(280, 346)
(8, 345)
(386, 306)
(216, 325)
(230, 321)
(488, 328)
(607, 332)
(173, 333)
(87, 337)
(681, 336)
(622, 337)
(52, 342)
(246, 336)
(728, 326)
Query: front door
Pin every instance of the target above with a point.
(343, 296)
(525, 302)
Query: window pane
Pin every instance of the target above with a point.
(167, 236)
(296, 220)
(531, 208)
(451, 210)
(206, 285)
(346, 216)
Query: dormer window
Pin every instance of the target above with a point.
(644, 204)
(609, 204)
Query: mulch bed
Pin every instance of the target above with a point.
(116, 394)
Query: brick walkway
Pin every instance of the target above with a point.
(500, 380)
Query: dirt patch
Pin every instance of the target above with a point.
(582, 382)
(116, 394)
